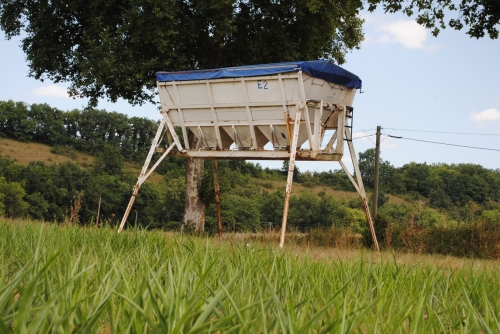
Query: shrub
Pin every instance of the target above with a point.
(491, 216)
(478, 240)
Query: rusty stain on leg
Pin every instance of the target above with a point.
(217, 198)
(288, 128)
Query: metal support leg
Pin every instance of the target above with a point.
(360, 188)
(291, 166)
(217, 197)
(144, 172)
(140, 181)
(129, 206)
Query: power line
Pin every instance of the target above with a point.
(364, 136)
(368, 138)
(448, 144)
(448, 132)
(323, 146)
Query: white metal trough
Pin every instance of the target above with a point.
(256, 112)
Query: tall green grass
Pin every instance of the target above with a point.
(65, 279)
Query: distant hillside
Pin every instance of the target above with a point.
(54, 180)
(25, 152)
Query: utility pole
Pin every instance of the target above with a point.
(375, 181)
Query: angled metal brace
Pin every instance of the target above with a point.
(144, 172)
(349, 176)
(332, 140)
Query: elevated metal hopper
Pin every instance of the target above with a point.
(253, 108)
(267, 111)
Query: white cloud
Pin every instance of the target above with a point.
(379, 29)
(409, 33)
(486, 115)
(52, 90)
(387, 142)
(370, 18)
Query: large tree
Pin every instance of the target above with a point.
(112, 48)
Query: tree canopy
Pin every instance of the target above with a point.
(113, 48)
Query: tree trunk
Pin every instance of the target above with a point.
(194, 208)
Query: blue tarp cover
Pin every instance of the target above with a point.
(323, 69)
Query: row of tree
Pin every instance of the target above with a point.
(88, 130)
(445, 186)
(251, 201)
(66, 192)
(442, 186)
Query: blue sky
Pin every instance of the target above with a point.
(411, 80)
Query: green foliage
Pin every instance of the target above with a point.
(171, 203)
(271, 209)
(388, 175)
(414, 214)
(366, 163)
(47, 124)
(380, 224)
(445, 186)
(478, 240)
(90, 130)
(147, 204)
(481, 17)
(308, 211)
(38, 206)
(303, 211)
(337, 179)
(437, 196)
(491, 216)
(65, 150)
(14, 121)
(399, 214)
(12, 203)
(239, 214)
(2, 199)
(109, 161)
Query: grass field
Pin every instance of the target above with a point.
(66, 279)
